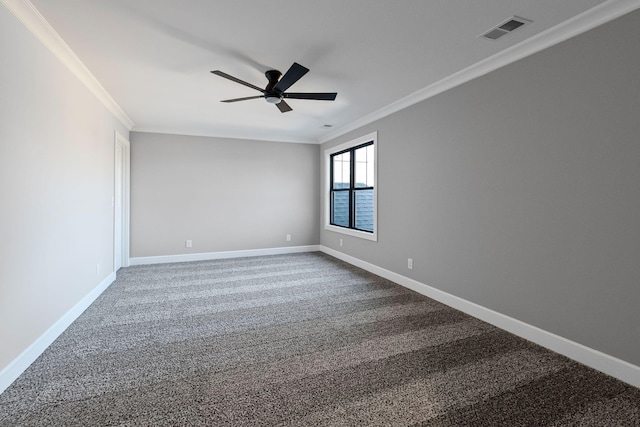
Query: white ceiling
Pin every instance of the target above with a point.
(154, 56)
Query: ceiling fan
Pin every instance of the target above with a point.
(275, 92)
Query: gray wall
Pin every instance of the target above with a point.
(520, 190)
(224, 194)
(56, 184)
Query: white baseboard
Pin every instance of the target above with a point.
(163, 259)
(9, 374)
(610, 365)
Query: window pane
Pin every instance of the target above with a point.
(341, 170)
(340, 208)
(364, 167)
(364, 209)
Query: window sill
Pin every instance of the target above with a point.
(350, 232)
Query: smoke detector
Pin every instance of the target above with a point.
(505, 28)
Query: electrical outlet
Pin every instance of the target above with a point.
(341, 242)
(97, 269)
(410, 263)
(188, 244)
(288, 238)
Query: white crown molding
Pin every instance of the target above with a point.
(10, 373)
(31, 18)
(579, 24)
(595, 359)
(206, 256)
(253, 136)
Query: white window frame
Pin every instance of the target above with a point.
(327, 187)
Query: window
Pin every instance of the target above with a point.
(351, 191)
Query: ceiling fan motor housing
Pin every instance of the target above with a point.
(272, 96)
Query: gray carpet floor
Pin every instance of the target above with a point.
(302, 340)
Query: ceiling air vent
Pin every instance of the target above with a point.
(505, 28)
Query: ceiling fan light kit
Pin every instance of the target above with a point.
(272, 99)
(275, 90)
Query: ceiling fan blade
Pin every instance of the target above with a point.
(290, 77)
(283, 106)
(316, 96)
(237, 80)
(243, 99)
